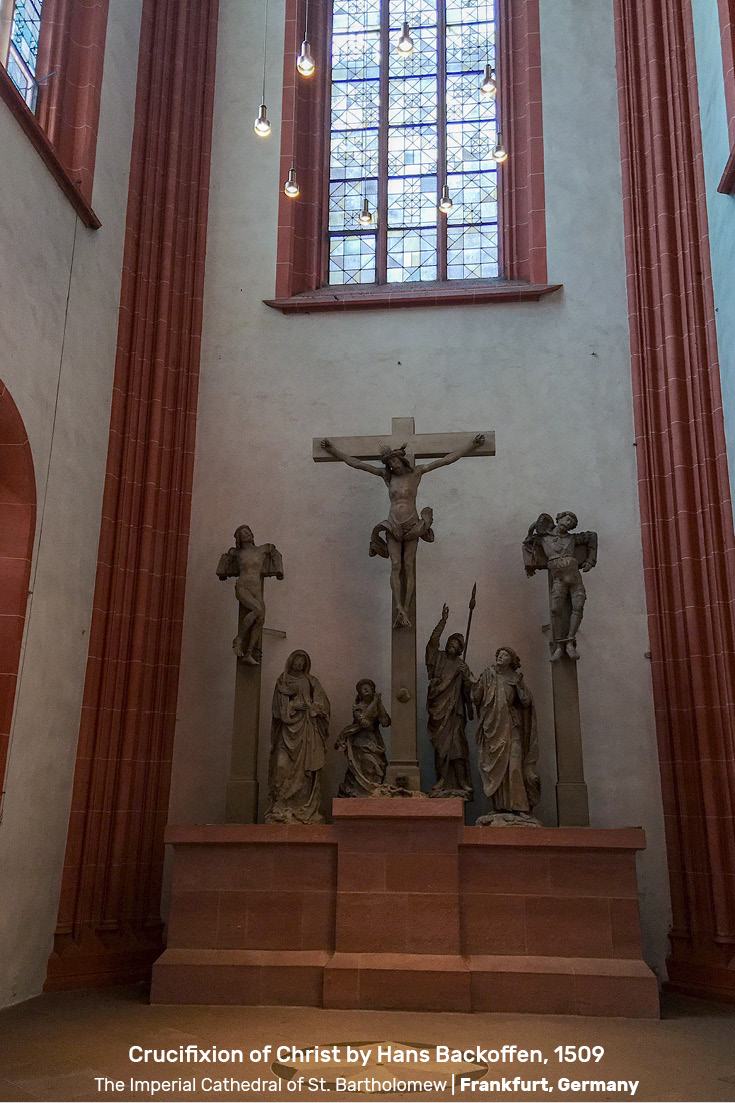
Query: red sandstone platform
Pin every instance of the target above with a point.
(397, 905)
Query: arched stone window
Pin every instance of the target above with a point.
(17, 527)
(309, 268)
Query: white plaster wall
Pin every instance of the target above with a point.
(552, 378)
(57, 361)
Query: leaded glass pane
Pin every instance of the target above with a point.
(356, 56)
(475, 197)
(355, 15)
(412, 201)
(472, 252)
(352, 259)
(412, 101)
(469, 146)
(464, 100)
(469, 47)
(23, 48)
(355, 105)
(345, 202)
(26, 30)
(423, 59)
(411, 255)
(354, 154)
(412, 149)
(469, 11)
(418, 13)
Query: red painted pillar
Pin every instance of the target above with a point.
(686, 512)
(109, 920)
(521, 177)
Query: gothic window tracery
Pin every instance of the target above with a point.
(401, 128)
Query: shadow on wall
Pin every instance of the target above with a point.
(17, 527)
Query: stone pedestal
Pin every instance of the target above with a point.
(403, 768)
(571, 790)
(397, 936)
(397, 905)
(242, 786)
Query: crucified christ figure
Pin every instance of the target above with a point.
(397, 537)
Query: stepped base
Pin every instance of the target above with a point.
(398, 906)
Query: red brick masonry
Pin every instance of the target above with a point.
(397, 905)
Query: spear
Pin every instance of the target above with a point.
(473, 603)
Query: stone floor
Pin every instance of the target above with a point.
(53, 1048)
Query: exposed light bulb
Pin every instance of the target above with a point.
(305, 62)
(404, 45)
(261, 126)
(489, 85)
(500, 153)
(365, 214)
(445, 203)
(291, 186)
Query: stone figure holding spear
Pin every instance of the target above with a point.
(449, 704)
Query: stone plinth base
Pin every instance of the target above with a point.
(397, 905)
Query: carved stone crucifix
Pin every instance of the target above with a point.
(396, 539)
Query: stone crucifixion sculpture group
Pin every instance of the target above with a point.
(506, 737)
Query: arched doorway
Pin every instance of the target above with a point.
(17, 527)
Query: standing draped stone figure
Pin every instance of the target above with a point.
(299, 733)
(507, 743)
(363, 744)
(449, 705)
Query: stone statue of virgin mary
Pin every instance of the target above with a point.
(299, 731)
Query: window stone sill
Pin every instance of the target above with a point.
(17, 106)
(389, 296)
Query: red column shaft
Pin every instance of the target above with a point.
(109, 919)
(686, 512)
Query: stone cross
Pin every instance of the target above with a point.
(404, 726)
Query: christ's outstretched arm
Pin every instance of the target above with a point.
(458, 454)
(359, 465)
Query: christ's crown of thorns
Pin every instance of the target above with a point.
(386, 452)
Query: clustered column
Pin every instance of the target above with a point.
(686, 511)
(109, 919)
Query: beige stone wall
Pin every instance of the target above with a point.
(58, 326)
(552, 378)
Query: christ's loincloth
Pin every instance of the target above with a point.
(415, 528)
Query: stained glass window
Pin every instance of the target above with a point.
(401, 128)
(23, 52)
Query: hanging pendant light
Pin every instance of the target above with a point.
(366, 216)
(291, 187)
(445, 203)
(500, 153)
(305, 62)
(489, 85)
(404, 45)
(261, 125)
